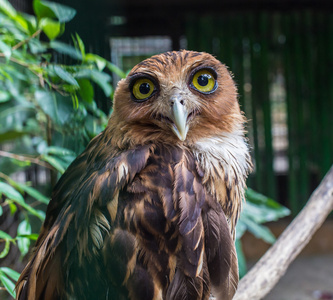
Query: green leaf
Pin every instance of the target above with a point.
(102, 79)
(59, 151)
(23, 242)
(65, 108)
(15, 196)
(5, 235)
(78, 41)
(13, 121)
(264, 213)
(4, 96)
(37, 47)
(66, 49)
(51, 28)
(53, 10)
(8, 284)
(38, 213)
(48, 104)
(33, 193)
(33, 236)
(11, 273)
(22, 22)
(54, 163)
(86, 90)
(5, 49)
(21, 163)
(99, 61)
(1, 211)
(240, 227)
(10, 192)
(6, 249)
(8, 9)
(241, 259)
(259, 231)
(12, 208)
(64, 75)
(113, 68)
(263, 209)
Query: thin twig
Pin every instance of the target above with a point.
(20, 44)
(33, 160)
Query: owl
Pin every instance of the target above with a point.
(148, 210)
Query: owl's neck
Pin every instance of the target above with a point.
(226, 163)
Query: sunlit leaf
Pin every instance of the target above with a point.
(5, 236)
(12, 208)
(8, 284)
(51, 28)
(6, 249)
(15, 196)
(33, 236)
(34, 193)
(23, 243)
(7, 8)
(80, 45)
(60, 151)
(10, 192)
(38, 213)
(54, 162)
(11, 273)
(99, 61)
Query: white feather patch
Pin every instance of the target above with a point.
(229, 151)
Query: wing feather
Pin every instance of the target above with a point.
(76, 219)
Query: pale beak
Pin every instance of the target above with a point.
(179, 117)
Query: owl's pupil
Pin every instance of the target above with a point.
(203, 79)
(144, 88)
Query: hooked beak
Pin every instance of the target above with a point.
(179, 116)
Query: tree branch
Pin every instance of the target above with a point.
(260, 280)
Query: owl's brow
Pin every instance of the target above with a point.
(148, 63)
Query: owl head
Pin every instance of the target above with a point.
(177, 97)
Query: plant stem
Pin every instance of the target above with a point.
(26, 158)
(20, 44)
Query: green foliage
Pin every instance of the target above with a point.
(258, 209)
(47, 111)
(48, 115)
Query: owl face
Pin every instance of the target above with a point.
(181, 94)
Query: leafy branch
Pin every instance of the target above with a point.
(47, 114)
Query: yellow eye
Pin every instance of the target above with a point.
(204, 81)
(143, 89)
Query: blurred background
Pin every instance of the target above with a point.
(281, 55)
